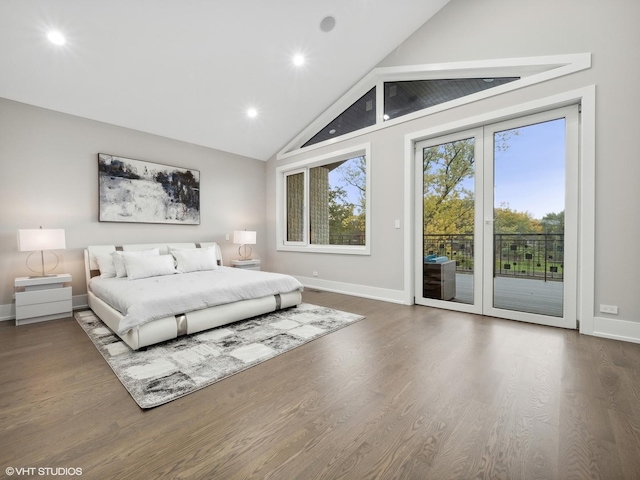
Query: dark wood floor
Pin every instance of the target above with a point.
(409, 392)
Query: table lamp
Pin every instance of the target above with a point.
(41, 239)
(244, 238)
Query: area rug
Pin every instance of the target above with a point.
(169, 370)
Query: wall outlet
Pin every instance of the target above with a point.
(613, 309)
(315, 274)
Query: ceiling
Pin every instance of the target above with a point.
(190, 69)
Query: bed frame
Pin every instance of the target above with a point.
(184, 324)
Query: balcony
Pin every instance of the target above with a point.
(538, 256)
(528, 269)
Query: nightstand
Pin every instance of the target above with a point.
(251, 264)
(42, 298)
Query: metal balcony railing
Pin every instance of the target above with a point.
(527, 255)
(347, 239)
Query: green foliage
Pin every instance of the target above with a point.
(507, 220)
(553, 222)
(341, 212)
(448, 206)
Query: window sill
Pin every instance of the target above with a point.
(334, 249)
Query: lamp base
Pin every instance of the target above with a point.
(245, 256)
(42, 272)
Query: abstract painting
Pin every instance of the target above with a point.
(144, 192)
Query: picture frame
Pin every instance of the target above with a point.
(137, 191)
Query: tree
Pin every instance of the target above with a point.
(448, 205)
(354, 173)
(553, 222)
(340, 211)
(507, 220)
(345, 216)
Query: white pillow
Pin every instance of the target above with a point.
(105, 265)
(195, 259)
(171, 248)
(121, 269)
(144, 266)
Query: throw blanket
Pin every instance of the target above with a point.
(144, 300)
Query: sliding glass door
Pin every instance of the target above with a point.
(496, 211)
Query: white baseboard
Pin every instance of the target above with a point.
(374, 293)
(615, 329)
(8, 312)
(80, 302)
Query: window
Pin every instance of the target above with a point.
(359, 115)
(323, 203)
(402, 98)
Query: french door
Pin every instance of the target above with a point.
(496, 219)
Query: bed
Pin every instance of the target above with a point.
(169, 316)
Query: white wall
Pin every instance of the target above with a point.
(49, 178)
(466, 30)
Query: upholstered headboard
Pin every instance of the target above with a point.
(91, 265)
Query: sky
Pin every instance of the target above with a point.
(530, 174)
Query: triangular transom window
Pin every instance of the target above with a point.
(359, 115)
(402, 98)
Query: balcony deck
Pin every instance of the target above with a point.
(520, 294)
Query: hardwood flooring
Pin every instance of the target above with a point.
(408, 393)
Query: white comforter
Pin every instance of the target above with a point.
(144, 300)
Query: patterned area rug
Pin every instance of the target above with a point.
(175, 368)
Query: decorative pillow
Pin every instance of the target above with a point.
(106, 265)
(121, 270)
(195, 259)
(144, 266)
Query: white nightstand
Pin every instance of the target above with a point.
(251, 264)
(42, 298)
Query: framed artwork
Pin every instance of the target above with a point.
(145, 192)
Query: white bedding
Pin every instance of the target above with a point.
(144, 300)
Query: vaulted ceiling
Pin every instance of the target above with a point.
(191, 69)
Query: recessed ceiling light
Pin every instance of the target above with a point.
(252, 113)
(488, 80)
(56, 37)
(332, 131)
(327, 23)
(298, 60)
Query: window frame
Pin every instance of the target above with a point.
(304, 166)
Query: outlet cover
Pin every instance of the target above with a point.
(613, 309)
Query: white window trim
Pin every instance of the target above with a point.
(531, 70)
(281, 205)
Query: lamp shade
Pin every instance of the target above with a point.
(33, 239)
(244, 237)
